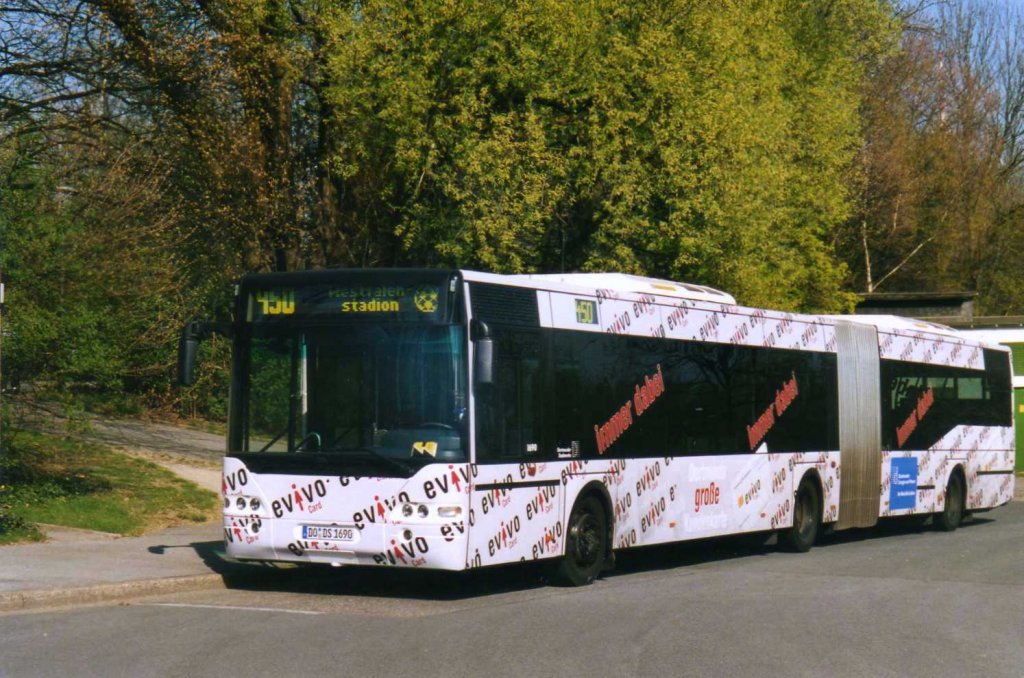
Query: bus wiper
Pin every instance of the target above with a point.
(369, 451)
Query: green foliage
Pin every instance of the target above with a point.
(692, 140)
(62, 481)
(208, 396)
(13, 526)
(95, 297)
(689, 139)
(52, 332)
(14, 529)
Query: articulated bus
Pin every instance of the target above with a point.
(457, 419)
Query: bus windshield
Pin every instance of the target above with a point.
(391, 393)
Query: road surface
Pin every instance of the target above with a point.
(897, 601)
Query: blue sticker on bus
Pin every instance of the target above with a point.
(903, 483)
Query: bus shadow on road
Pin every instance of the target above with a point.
(761, 544)
(897, 527)
(354, 580)
(432, 585)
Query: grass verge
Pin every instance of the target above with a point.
(64, 481)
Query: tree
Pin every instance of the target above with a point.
(686, 139)
(77, 313)
(941, 161)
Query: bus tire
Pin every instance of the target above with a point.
(586, 543)
(806, 519)
(952, 513)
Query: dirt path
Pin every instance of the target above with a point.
(192, 454)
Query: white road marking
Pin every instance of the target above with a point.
(231, 607)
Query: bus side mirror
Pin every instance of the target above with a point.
(188, 346)
(483, 353)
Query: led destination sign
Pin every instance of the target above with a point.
(411, 301)
(385, 299)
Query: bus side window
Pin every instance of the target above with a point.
(576, 362)
(510, 411)
(928, 401)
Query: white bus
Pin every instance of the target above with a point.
(457, 419)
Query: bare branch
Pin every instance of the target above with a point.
(904, 261)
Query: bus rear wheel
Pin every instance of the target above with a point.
(806, 519)
(952, 513)
(586, 544)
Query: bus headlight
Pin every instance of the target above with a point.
(243, 503)
(424, 511)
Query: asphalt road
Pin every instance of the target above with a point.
(898, 601)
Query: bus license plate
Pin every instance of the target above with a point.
(329, 533)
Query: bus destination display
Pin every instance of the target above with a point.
(399, 302)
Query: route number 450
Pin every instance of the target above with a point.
(276, 303)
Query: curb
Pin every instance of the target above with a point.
(46, 599)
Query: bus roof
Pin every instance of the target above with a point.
(1007, 335)
(899, 322)
(595, 283)
(618, 282)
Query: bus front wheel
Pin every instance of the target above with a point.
(806, 519)
(586, 543)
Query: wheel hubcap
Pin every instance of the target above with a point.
(585, 540)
